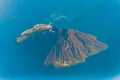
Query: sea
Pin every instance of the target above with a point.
(100, 18)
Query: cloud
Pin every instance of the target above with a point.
(53, 15)
(56, 16)
(116, 77)
(3, 79)
(61, 17)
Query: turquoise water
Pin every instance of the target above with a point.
(98, 17)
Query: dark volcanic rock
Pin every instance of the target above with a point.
(60, 47)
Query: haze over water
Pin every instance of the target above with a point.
(97, 17)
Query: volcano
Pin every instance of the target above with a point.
(60, 47)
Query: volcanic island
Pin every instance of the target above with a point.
(64, 47)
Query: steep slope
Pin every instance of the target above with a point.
(65, 47)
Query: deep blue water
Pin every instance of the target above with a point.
(98, 17)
